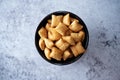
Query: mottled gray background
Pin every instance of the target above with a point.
(19, 59)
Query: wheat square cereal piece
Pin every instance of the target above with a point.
(42, 44)
(80, 48)
(66, 19)
(69, 39)
(61, 28)
(75, 36)
(75, 26)
(66, 55)
(82, 35)
(77, 49)
(42, 32)
(47, 53)
(56, 20)
(74, 51)
(62, 45)
(49, 44)
(53, 34)
(56, 54)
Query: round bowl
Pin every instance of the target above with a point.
(43, 23)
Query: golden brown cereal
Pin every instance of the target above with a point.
(82, 35)
(61, 28)
(56, 54)
(47, 53)
(69, 39)
(62, 38)
(75, 26)
(56, 20)
(53, 34)
(77, 49)
(80, 48)
(75, 36)
(41, 44)
(74, 50)
(42, 32)
(66, 55)
(66, 19)
(62, 45)
(49, 44)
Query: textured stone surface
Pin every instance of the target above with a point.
(19, 59)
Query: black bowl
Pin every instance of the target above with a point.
(43, 23)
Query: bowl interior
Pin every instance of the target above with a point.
(43, 23)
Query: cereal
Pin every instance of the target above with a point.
(53, 34)
(66, 19)
(66, 55)
(69, 39)
(62, 45)
(49, 44)
(61, 28)
(75, 26)
(47, 53)
(56, 54)
(61, 38)
(42, 32)
(42, 44)
(56, 20)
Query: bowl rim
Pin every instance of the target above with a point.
(64, 62)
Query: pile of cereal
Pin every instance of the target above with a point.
(62, 38)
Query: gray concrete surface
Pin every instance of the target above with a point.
(19, 59)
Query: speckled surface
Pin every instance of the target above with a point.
(19, 59)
